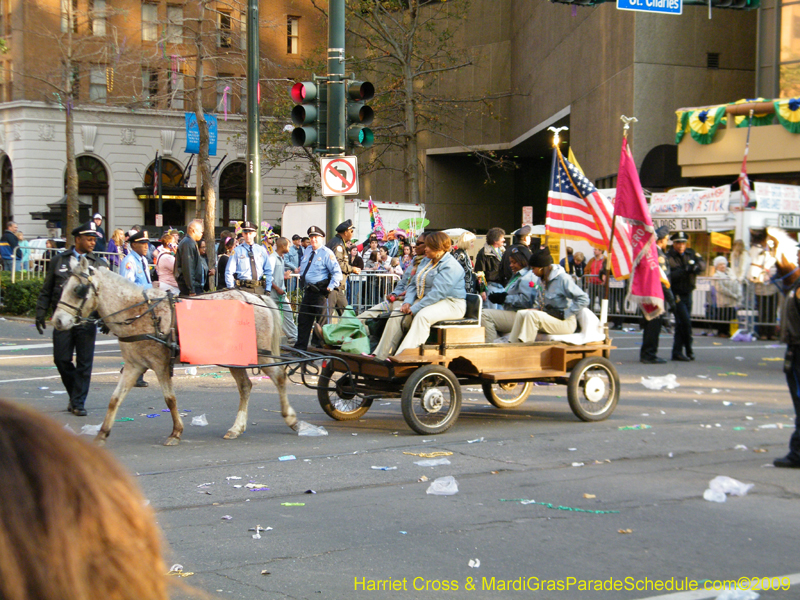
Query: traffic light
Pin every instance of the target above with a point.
(359, 115)
(309, 115)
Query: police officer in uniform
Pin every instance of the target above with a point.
(790, 335)
(249, 264)
(319, 276)
(684, 266)
(338, 297)
(652, 329)
(80, 338)
(134, 266)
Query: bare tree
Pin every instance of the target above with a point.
(407, 48)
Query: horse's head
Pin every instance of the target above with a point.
(78, 296)
(772, 247)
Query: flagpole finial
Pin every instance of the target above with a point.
(627, 121)
(556, 131)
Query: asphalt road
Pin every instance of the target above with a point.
(366, 530)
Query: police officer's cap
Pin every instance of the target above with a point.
(296, 237)
(314, 230)
(541, 258)
(248, 226)
(662, 232)
(679, 236)
(89, 229)
(342, 227)
(139, 236)
(523, 231)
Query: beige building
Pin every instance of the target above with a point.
(133, 71)
(545, 65)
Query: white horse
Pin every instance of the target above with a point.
(127, 313)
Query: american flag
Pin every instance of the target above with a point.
(576, 210)
(744, 180)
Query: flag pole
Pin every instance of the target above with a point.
(604, 304)
(556, 141)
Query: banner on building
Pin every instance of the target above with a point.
(193, 134)
(715, 200)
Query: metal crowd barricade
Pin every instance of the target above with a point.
(719, 304)
(36, 266)
(364, 290)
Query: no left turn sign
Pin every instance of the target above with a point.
(339, 176)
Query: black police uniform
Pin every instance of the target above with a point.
(652, 329)
(683, 275)
(790, 335)
(337, 300)
(79, 339)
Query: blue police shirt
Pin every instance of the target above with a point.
(324, 266)
(134, 268)
(239, 264)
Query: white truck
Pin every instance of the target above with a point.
(298, 217)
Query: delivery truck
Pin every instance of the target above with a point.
(298, 217)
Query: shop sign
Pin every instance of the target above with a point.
(682, 224)
(776, 197)
(715, 200)
(789, 221)
(721, 240)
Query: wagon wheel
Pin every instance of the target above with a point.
(431, 400)
(507, 394)
(593, 389)
(335, 400)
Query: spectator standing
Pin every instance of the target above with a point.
(116, 247)
(102, 240)
(684, 265)
(280, 273)
(208, 271)
(223, 239)
(372, 246)
(292, 258)
(488, 262)
(568, 262)
(188, 270)
(78, 340)
(222, 262)
(165, 264)
(9, 246)
(460, 252)
(407, 257)
(354, 290)
(727, 294)
(24, 264)
(579, 264)
(595, 277)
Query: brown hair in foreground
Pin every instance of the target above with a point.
(73, 525)
(438, 241)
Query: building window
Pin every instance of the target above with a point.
(175, 91)
(243, 30)
(149, 22)
(66, 7)
(150, 86)
(224, 100)
(790, 50)
(9, 82)
(97, 17)
(224, 25)
(175, 24)
(293, 35)
(97, 85)
(243, 95)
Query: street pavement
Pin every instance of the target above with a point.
(643, 520)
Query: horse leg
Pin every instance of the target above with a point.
(278, 377)
(129, 376)
(164, 379)
(245, 385)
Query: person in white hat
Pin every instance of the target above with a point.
(102, 242)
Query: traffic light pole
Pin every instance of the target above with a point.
(253, 158)
(336, 104)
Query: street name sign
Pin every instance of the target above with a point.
(667, 7)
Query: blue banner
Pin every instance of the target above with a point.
(193, 134)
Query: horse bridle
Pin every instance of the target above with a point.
(82, 292)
